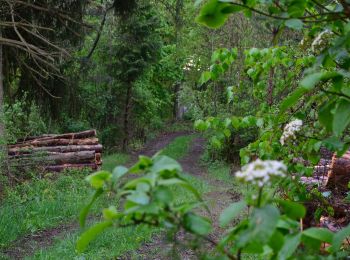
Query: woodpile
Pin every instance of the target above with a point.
(339, 173)
(58, 152)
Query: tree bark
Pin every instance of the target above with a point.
(55, 142)
(59, 168)
(339, 173)
(79, 135)
(126, 116)
(270, 96)
(58, 149)
(176, 101)
(2, 123)
(178, 21)
(59, 158)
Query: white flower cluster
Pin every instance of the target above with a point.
(260, 172)
(321, 40)
(290, 129)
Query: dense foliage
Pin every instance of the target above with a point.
(267, 82)
(291, 99)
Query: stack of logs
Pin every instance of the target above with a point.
(55, 153)
(339, 173)
(332, 172)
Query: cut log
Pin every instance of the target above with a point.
(98, 158)
(60, 158)
(339, 173)
(58, 149)
(55, 142)
(57, 152)
(75, 157)
(59, 168)
(79, 135)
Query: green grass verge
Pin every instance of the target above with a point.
(179, 147)
(116, 242)
(46, 203)
(113, 160)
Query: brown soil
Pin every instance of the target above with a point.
(218, 198)
(30, 243)
(27, 245)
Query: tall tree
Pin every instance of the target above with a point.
(36, 37)
(138, 48)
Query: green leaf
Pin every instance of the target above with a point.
(98, 179)
(341, 118)
(334, 144)
(260, 122)
(231, 212)
(133, 183)
(143, 164)
(235, 122)
(321, 234)
(263, 223)
(205, 77)
(213, 14)
(291, 243)
(325, 115)
(118, 172)
(215, 142)
(231, 9)
(296, 24)
(339, 237)
(162, 163)
(197, 224)
(111, 213)
(310, 81)
(86, 209)
(201, 125)
(139, 197)
(276, 241)
(292, 99)
(91, 234)
(163, 194)
(292, 209)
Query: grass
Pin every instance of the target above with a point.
(47, 203)
(119, 241)
(112, 243)
(179, 147)
(113, 160)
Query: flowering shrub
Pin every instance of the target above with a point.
(261, 172)
(271, 231)
(290, 129)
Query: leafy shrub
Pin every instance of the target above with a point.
(22, 120)
(272, 230)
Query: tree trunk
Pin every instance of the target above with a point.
(178, 21)
(2, 126)
(126, 116)
(270, 96)
(176, 101)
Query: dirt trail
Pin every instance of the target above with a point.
(27, 245)
(218, 198)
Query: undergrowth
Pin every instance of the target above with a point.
(116, 242)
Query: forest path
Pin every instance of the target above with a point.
(40, 240)
(220, 196)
